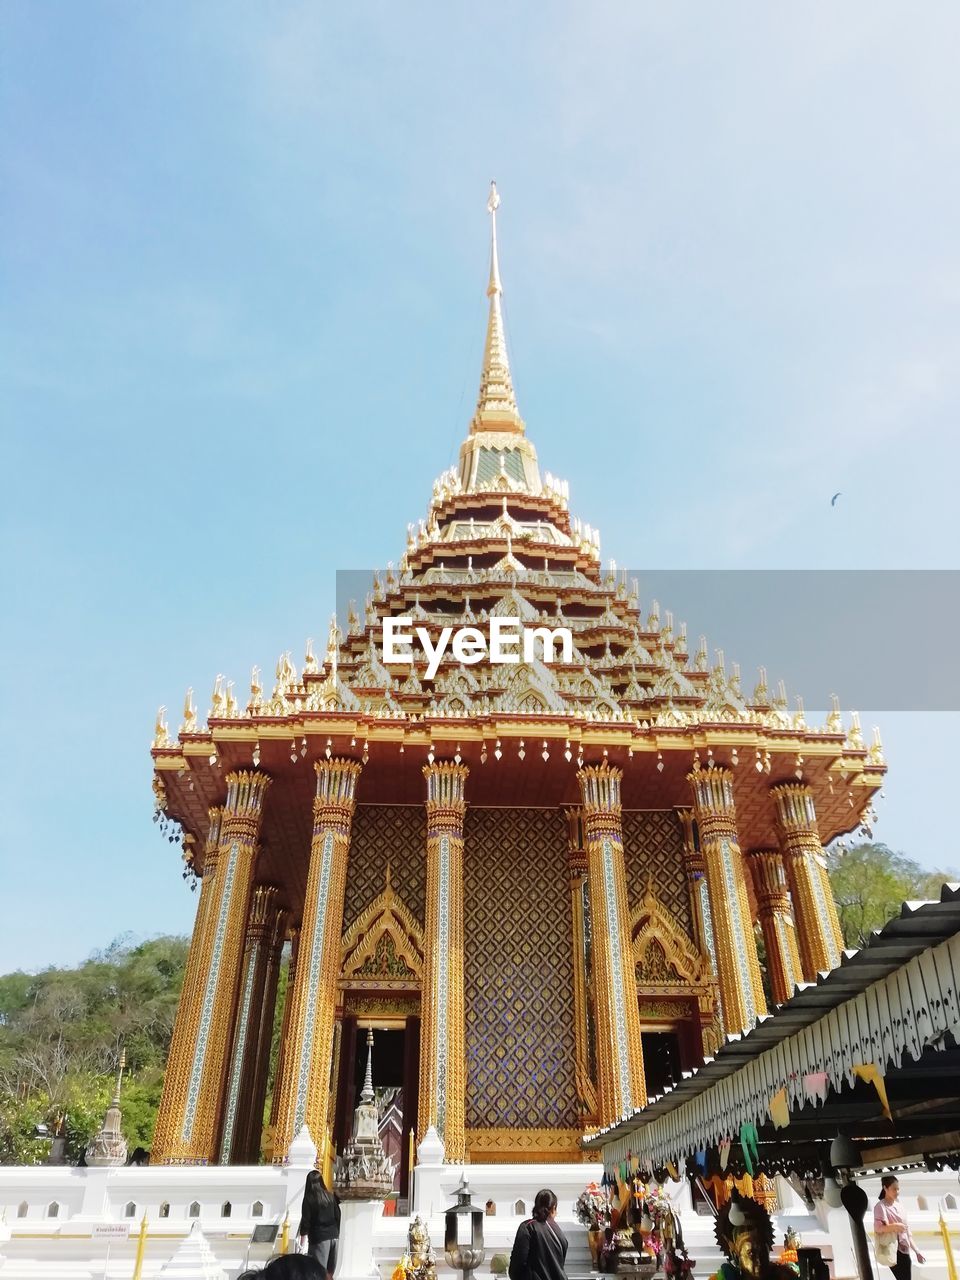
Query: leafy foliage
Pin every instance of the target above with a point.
(870, 882)
(61, 1032)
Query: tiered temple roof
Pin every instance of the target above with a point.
(498, 539)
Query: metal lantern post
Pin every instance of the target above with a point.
(463, 1239)
(844, 1156)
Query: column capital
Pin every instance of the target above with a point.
(335, 801)
(215, 822)
(262, 919)
(692, 856)
(246, 789)
(713, 791)
(769, 879)
(576, 853)
(600, 789)
(795, 808)
(446, 783)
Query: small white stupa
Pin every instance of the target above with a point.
(108, 1149)
(194, 1260)
(364, 1171)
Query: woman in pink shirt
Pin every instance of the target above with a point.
(888, 1220)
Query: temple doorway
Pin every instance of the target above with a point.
(661, 1060)
(396, 1065)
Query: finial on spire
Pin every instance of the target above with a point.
(496, 405)
(493, 204)
(367, 1095)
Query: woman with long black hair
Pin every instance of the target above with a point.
(889, 1221)
(320, 1222)
(540, 1247)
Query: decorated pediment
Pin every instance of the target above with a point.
(663, 955)
(531, 690)
(384, 945)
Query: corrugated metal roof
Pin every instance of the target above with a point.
(918, 927)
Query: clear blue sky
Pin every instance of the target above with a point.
(243, 259)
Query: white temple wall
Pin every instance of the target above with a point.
(66, 1247)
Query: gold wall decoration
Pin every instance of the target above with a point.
(521, 1042)
(524, 1146)
(738, 966)
(304, 1087)
(372, 1004)
(667, 1010)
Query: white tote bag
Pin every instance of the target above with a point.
(885, 1245)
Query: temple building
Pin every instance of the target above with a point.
(544, 883)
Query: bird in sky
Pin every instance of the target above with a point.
(833, 500)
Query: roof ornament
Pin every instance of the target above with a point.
(496, 404)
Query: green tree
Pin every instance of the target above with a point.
(871, 881)
(61, 1032)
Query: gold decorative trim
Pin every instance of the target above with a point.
(524, 1146)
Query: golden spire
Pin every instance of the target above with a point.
(496, 405)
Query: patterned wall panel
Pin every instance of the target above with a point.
(394, 833)
(518, 970)
(653, 846)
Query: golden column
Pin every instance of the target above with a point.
(254, 1009)
(226, 928)
(622, 1086)
(709, 1005)
(738, 968)
(254, 1127)
(284, 1032)
(696, 870)
(173, 1099)
(443, 1035)
(304, 1085)
(776, 921)
(582, 975)
(818, 925)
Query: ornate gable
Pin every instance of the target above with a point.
(384, 945)
(663, 955)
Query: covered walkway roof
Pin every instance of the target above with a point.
(894, 1005)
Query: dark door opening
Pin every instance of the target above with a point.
(661, 1060)
(396, 1055)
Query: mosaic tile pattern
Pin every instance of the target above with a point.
(615, 930)
(443, 978)
(653, 846)
(394, 833)
(739, 942)
(239, 1048)
(518, 961)
(314, 958)
(209, 993)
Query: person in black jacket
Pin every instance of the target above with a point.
(320, 1222)
(540, 1248)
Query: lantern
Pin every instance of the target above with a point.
(463, 1240)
